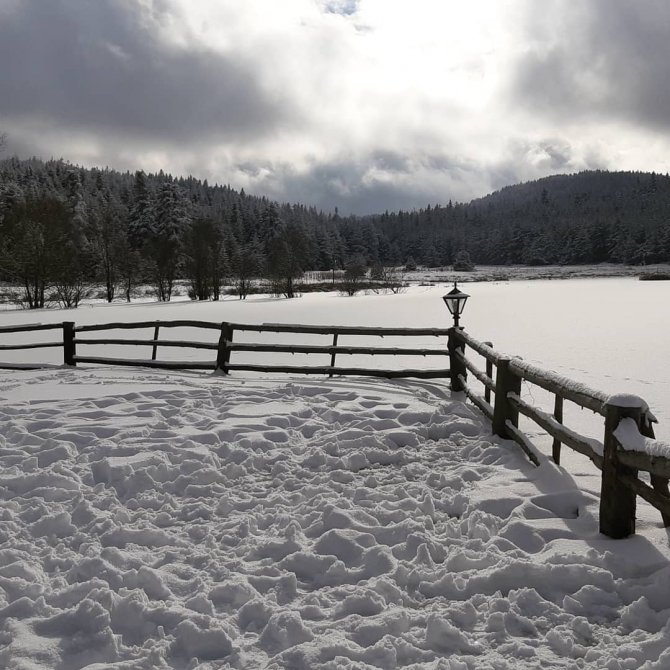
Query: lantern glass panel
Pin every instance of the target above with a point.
(452, 304)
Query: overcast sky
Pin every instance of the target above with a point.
(364, 105)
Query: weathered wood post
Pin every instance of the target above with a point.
(617, 502)
(334, 354)
(223, 352)
(456, 365)
(69, 346)
(506, 382)
(489, 374)
(154, 350)
(558, 415)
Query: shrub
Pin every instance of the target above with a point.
(654, 276)
(462, 262)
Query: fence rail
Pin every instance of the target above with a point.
(628, 446)
(75, 338)
(19, 346)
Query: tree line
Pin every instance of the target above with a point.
(64, 228)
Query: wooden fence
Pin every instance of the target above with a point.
(76, 338)
(628, 445)
(626, 419)
(31, 328)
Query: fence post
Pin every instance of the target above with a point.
(558, 415)
(154, 350)
(506, 382)
(332, 356)
(69, 347)
(223, 352)
(456, 366)
(489, 374)
(617, 502)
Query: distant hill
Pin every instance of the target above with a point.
(588, 217)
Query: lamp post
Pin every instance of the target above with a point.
(455, 301)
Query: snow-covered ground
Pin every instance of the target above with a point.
(153, 518)
(525, 272)
(150, 519)
(610, 333)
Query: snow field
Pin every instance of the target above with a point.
(609, 333)
(162, 520)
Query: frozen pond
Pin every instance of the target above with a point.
(611, 334)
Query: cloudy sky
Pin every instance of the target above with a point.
(364, 105)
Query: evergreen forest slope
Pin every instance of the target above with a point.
(58, 220)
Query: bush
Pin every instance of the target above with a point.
(462, 262)
(654, 276)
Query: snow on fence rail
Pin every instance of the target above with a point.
(629, 444)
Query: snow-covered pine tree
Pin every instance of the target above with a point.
(172, 219)
(142, 218)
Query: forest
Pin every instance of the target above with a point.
(65, 229)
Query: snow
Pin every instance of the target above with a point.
(158, 519)
(180, 520)
(630, 439)
(628, 400)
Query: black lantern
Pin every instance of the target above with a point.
(455, 301)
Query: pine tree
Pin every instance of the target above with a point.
(172, 219)
(287, 252)
(142, 219)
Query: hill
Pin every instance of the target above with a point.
(589, 217)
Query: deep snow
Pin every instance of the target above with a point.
(151, 519)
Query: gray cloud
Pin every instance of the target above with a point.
(528, 160)
(99, 66)
(603, 59)
(342, 184)
(384, 181)
(297, 102)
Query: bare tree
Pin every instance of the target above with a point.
(32, 248)
(387, 279)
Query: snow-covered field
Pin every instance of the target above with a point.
(610, 333)
(152, 518)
